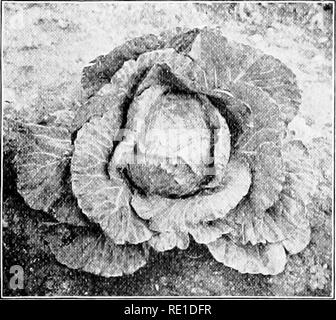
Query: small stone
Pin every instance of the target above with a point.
(164, 280)
(257, 38)
(49, 284)
(66, 285)
(4, 224)
(199, 291)
(63, 24)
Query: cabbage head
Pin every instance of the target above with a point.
(175, 136)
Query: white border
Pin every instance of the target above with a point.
(193, 298)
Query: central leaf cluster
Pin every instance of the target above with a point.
(173, 153)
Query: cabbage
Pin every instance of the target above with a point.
(177, 136)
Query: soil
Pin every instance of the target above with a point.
(45, 47)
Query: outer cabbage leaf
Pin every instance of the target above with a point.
(105, 66)
(104, 196)
(81, 248)
(21, 147)
(268, 177)
(225, 64)
(300, 171)
(267, 182)
(209, 231)
(285, 223)
(286, 219)
(267, 259)
(300, 184)
(292, 221)
(42, 165)
(66, 209)
(168, 240)
(118, 92)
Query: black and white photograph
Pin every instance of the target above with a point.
(167, 149)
